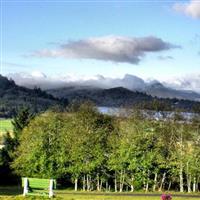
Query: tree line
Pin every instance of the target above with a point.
(93, 151)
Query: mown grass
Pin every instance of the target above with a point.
(88, 197)
(15, 193)
(5, 125)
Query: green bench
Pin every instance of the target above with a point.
(37, 186)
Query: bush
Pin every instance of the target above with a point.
(166, 197)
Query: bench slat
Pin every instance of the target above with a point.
(38, 183)
(37, 186)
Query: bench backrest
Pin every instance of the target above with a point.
(37, 183)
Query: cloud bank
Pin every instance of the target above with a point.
(110, 48)
(165, 58)
(39, 79)
(189, 82)
(191, 9)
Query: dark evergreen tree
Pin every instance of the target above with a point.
(7, 153)
(20, 121)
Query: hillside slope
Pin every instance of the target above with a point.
(12, 97)
(119, 96)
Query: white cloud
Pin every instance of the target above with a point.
(110, 48)
(191, 9)
(165, 58)
(189, 82)
(39, 79)
(38, 74)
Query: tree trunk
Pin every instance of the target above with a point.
(147, 184)
(101, 182)
(155, 182)
(181, 177)
(132, 186)
(144, 181)
(162, 182)
(76, 184)
(91, 184)
(98, 184)
(106, 186)
(121, 185)
(84, 183)
(88, 182)
(194, 184)
(188, 179)
(189, 183)
(181, 165)
(115, 181)
(120, 182)
(169, 186)
(197, 183)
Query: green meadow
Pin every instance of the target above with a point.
(15, 193)
(93, 197)
(5, 125)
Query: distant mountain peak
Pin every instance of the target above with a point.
(133, 82)
(156, 85)
(118, 89)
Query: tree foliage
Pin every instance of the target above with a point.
(104, 152)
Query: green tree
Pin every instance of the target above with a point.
(10, 143)
(43, 146)
(90, 148)
(20, 121)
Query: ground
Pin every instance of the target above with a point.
(14, 193)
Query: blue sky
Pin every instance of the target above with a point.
(32, 26)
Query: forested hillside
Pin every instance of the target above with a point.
(122, 97)
(13, 97)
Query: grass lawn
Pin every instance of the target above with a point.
(5, 125)
(14, 193)
(92, 197)
(96, 197)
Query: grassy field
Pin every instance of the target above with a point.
(15, 194)
(5, 125)
(92, 197)
(121, 197)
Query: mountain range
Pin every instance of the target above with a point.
(12, 97)
(120, 97)
(130, 82)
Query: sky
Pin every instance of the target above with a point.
(149, 39)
